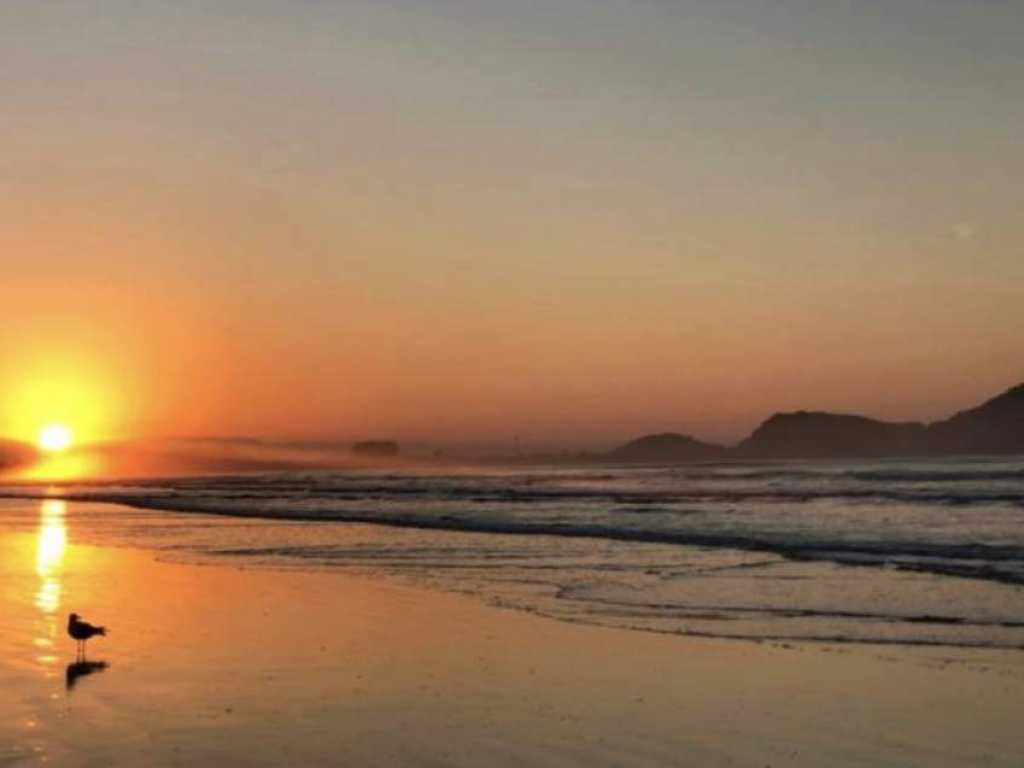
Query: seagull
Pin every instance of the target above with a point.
(82, 631)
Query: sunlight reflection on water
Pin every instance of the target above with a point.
(51, 544)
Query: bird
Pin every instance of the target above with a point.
(82, 631)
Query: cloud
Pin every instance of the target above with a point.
(14, 454)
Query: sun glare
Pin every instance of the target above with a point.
(54, 438)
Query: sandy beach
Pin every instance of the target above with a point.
(222, 665)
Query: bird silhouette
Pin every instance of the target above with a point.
(81, 631)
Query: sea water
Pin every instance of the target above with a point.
(894, 551)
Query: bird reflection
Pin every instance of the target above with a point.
(79, 669)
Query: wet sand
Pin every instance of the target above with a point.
(219, 665)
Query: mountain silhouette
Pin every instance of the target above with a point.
(830, 435)
(667, 446)
(995, 427)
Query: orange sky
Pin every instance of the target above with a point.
(573, 224)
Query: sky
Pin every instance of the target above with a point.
(565, 221)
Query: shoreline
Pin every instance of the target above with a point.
(224, 664)
(854, 556)
(647, 586)
(550, 603)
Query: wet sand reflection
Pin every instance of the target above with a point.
(51, 545)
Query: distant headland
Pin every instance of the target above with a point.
(995, 427)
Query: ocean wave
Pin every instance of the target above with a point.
(986, 561)
(483, 493)
(949, 518)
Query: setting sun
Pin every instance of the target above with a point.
(55, 438)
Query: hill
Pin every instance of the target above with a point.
(830, 435)
(994, 427)
(667, 446)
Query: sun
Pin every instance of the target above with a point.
(54, 438)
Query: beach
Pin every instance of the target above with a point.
(458, 384)
(246, 664)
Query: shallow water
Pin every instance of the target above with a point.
(924, 552)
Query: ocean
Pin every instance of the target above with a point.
(916, 552)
